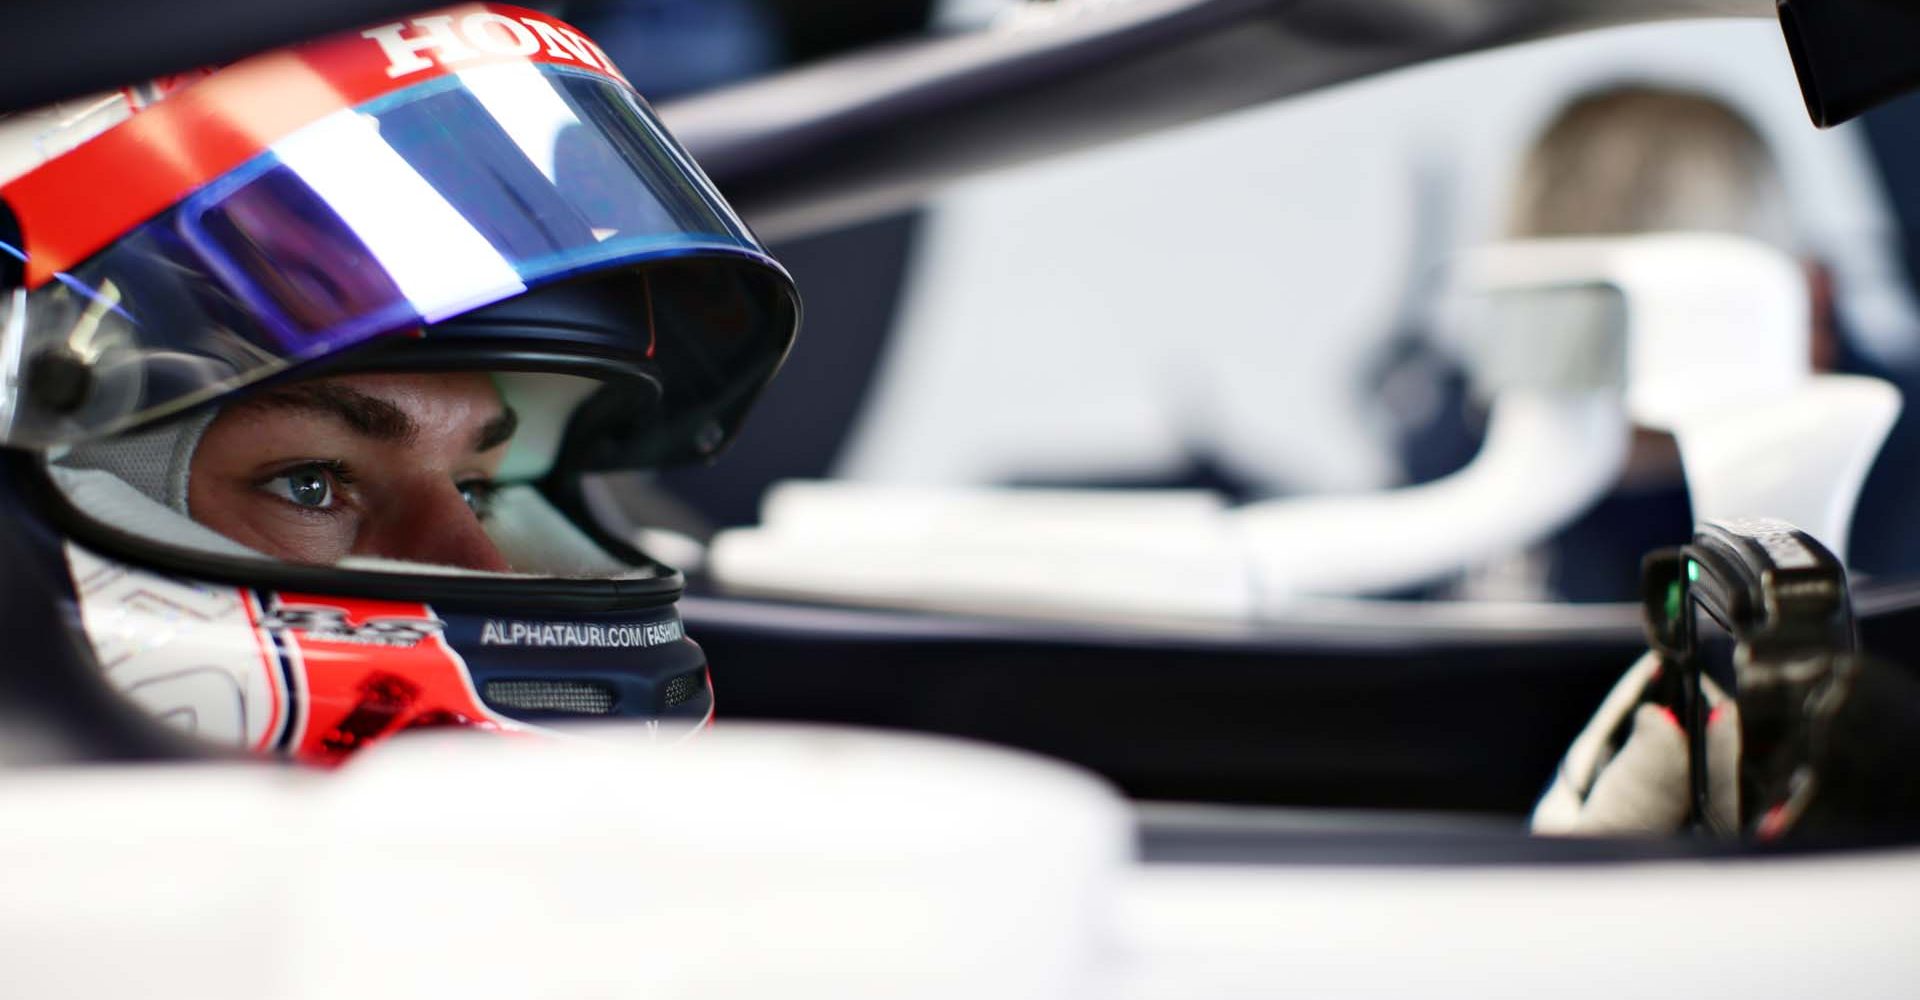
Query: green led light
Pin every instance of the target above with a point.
(1673, 600)
(1693, 571)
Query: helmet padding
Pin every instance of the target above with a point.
(156, 461)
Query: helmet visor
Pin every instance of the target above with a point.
(420, 205)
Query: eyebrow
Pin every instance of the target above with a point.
(373, 417)
(368, 416)
(497, 431)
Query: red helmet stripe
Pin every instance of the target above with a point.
(76, 204)
(359, 691)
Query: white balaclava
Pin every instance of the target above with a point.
(157, 462)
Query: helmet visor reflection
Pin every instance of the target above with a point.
(421, 205)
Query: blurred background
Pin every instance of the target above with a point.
(1248, 304)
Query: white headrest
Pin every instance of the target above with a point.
(1708, 318)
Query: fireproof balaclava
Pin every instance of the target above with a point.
(157, 462)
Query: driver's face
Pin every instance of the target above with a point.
(393, 465)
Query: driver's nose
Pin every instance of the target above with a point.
(434, 525)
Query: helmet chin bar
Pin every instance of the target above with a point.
(1574, 341)
(315, 676)
(314, 667)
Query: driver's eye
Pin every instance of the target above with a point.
(478, 493)
(307, 486)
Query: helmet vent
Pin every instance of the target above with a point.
(570, 697)
(680, 690)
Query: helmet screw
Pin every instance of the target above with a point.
(58, 380)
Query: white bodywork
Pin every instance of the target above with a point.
(1717, 353)
(1711, 341)
(837, 864)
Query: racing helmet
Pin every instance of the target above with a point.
(471, 194)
